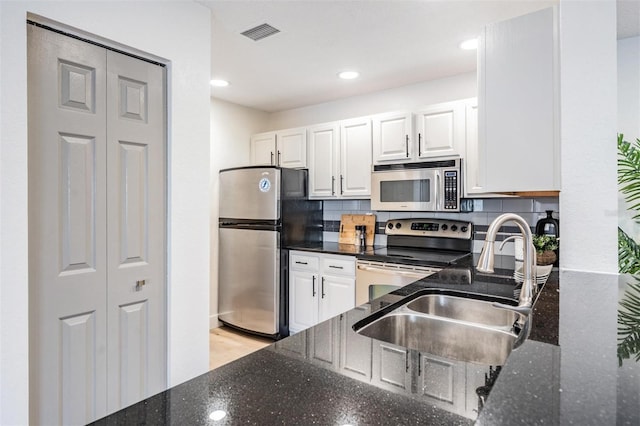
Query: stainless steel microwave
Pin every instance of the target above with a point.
(433, 186)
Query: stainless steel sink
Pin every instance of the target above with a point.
(457, 327)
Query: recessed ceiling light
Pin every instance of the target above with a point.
(348, 75)
(219, 83)
(218, 415)
(469, 44)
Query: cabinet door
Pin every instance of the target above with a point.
(392, 137)
(472, 158)
(391, 367)
(323, 155)
(323, 343)
(355, 351)
(518, 96)
(337, 295)
(442, 382)
(263, 149)
(291, 148)
(441, 130)
(303, 305)
(355, 159)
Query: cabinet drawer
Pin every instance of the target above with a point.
(303, 262)
(341, 265)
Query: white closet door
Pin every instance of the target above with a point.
(97, 214)
(67, 229)
(135, 230)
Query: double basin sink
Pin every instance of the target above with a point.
(461, 326)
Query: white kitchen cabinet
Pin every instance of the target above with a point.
(518, 94)
(340, 159)
(440, 130)
(324, 159)
(321, 286)
(391, 367)
(393, 137)
(284, 148)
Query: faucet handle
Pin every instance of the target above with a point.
(521, 309)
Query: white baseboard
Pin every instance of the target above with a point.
(213, 321)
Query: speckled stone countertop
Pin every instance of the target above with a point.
(331, 375)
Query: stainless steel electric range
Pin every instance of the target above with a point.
(416, 248)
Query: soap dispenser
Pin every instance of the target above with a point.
(548, 225)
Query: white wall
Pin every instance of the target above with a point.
(588, 199)
(231, 127)
(179, 31)
(411, 97)
(629, 88)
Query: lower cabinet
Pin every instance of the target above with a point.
(321, 286)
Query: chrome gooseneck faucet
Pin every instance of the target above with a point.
(485, 262)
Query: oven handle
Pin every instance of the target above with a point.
(393, 271)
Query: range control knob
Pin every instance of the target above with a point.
(464, 229)
(454, 228)
(398, 225)
(390, 225)
(444, 227)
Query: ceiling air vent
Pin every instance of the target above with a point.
(260, 32)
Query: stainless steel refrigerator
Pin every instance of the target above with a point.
(263, 210)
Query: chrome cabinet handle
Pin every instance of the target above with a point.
(419, 147)
(313, 286)
(301, 263)
(278, 158)
(271, 158)
(333, 184)
(336, 267)
(341, 190)
(323, 288)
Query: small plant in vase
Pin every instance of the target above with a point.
(545, 246)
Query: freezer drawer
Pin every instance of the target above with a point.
(251, 193)
(249, 279)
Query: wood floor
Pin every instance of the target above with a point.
(227, 344)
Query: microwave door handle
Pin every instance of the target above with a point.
(437, 191)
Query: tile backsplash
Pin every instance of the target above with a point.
(485, 211)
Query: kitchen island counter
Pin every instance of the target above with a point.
(328, 374)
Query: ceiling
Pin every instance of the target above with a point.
(391, 43)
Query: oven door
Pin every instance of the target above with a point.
(374, 279)
(408, 189)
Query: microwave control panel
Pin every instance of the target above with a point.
(451, 190)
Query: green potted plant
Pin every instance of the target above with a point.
(545, 246)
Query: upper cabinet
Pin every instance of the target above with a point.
(434, 131)
(393, 139)
(284, 148)
(440, 130)
(518, 111)
(340, 159)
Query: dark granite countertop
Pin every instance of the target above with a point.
(328, 374)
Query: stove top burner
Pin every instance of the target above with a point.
(427, 257)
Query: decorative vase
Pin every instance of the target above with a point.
(547, 257)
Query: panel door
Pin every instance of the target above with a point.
(473, 163)
(441, 130)
(323, 343)
(392, 137)
(291, 147)
(263, 149)
(355, 162)
(303, 296)
(136, 224)
(442, 382)
(323, 154)
(391, 367)
(337, 295)
(355, 350)
(67, 229)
